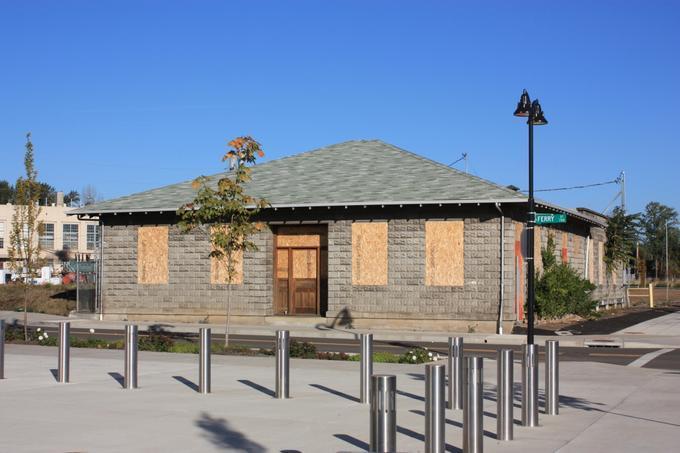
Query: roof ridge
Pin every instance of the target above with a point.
(454, 170)
(315, 150)
(214, 175)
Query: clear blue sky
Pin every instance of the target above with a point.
(129, 96)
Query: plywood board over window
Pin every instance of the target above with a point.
(218, 269)
(369, 253)
(152, 255)
(444, 253)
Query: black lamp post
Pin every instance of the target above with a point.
(534, 114)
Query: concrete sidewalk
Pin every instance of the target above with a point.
(665, 335)
(662, 326)
(604, 407)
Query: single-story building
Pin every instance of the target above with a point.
(361, 230)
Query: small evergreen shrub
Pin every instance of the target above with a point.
(302, 350)
(156, 342)
(560, 290)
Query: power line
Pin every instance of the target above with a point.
(583, 186)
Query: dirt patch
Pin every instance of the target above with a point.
(49, 299)
(610, 321)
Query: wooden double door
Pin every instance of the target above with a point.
(300, 267)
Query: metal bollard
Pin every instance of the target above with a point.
(366, 367)
(504, 395)
(383, 422)
(64, 352)
(282, 364)
(473, 422)
(2, 349)
(204, 362)
(552, 377)
(130, 380)
(529, 385)
(435, 408)
(455, 373)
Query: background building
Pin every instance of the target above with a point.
(60, 232)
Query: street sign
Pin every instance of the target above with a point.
(542, 218)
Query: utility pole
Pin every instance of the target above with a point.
(465, 156)
(667, 279)
(622, 181)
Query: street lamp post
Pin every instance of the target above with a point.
(534, 114)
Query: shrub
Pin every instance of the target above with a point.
(90, 343)
(185, 348)
(235, 349)
(333, 356)
(156, 342)
(302, 350)
(418, 355)
(560, 290)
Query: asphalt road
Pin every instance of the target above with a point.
(624, 356)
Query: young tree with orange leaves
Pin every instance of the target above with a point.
(224, 202)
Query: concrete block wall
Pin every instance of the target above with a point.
(406, 295)
(188, 295)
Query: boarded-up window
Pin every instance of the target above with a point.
(444, 253)
(218, 269)
(152, 255)
(369, 253)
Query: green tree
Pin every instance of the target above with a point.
(548, 253)
(560, 290)
(622, 230)
(653, 227)
(225, 208)
(24, 250)
(72, 198)
(7, 192)
(48, 194)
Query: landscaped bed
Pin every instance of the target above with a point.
(164, 342)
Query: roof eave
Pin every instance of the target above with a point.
(83, 211)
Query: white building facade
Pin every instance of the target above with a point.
(80, 238)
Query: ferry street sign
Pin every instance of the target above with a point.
(543, 218)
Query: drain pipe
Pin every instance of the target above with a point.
(501, 297)
(100, 281)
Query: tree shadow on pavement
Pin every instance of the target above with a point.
(218, 432)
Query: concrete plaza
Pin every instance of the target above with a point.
(604, 407)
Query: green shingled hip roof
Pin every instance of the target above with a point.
(360, 172)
